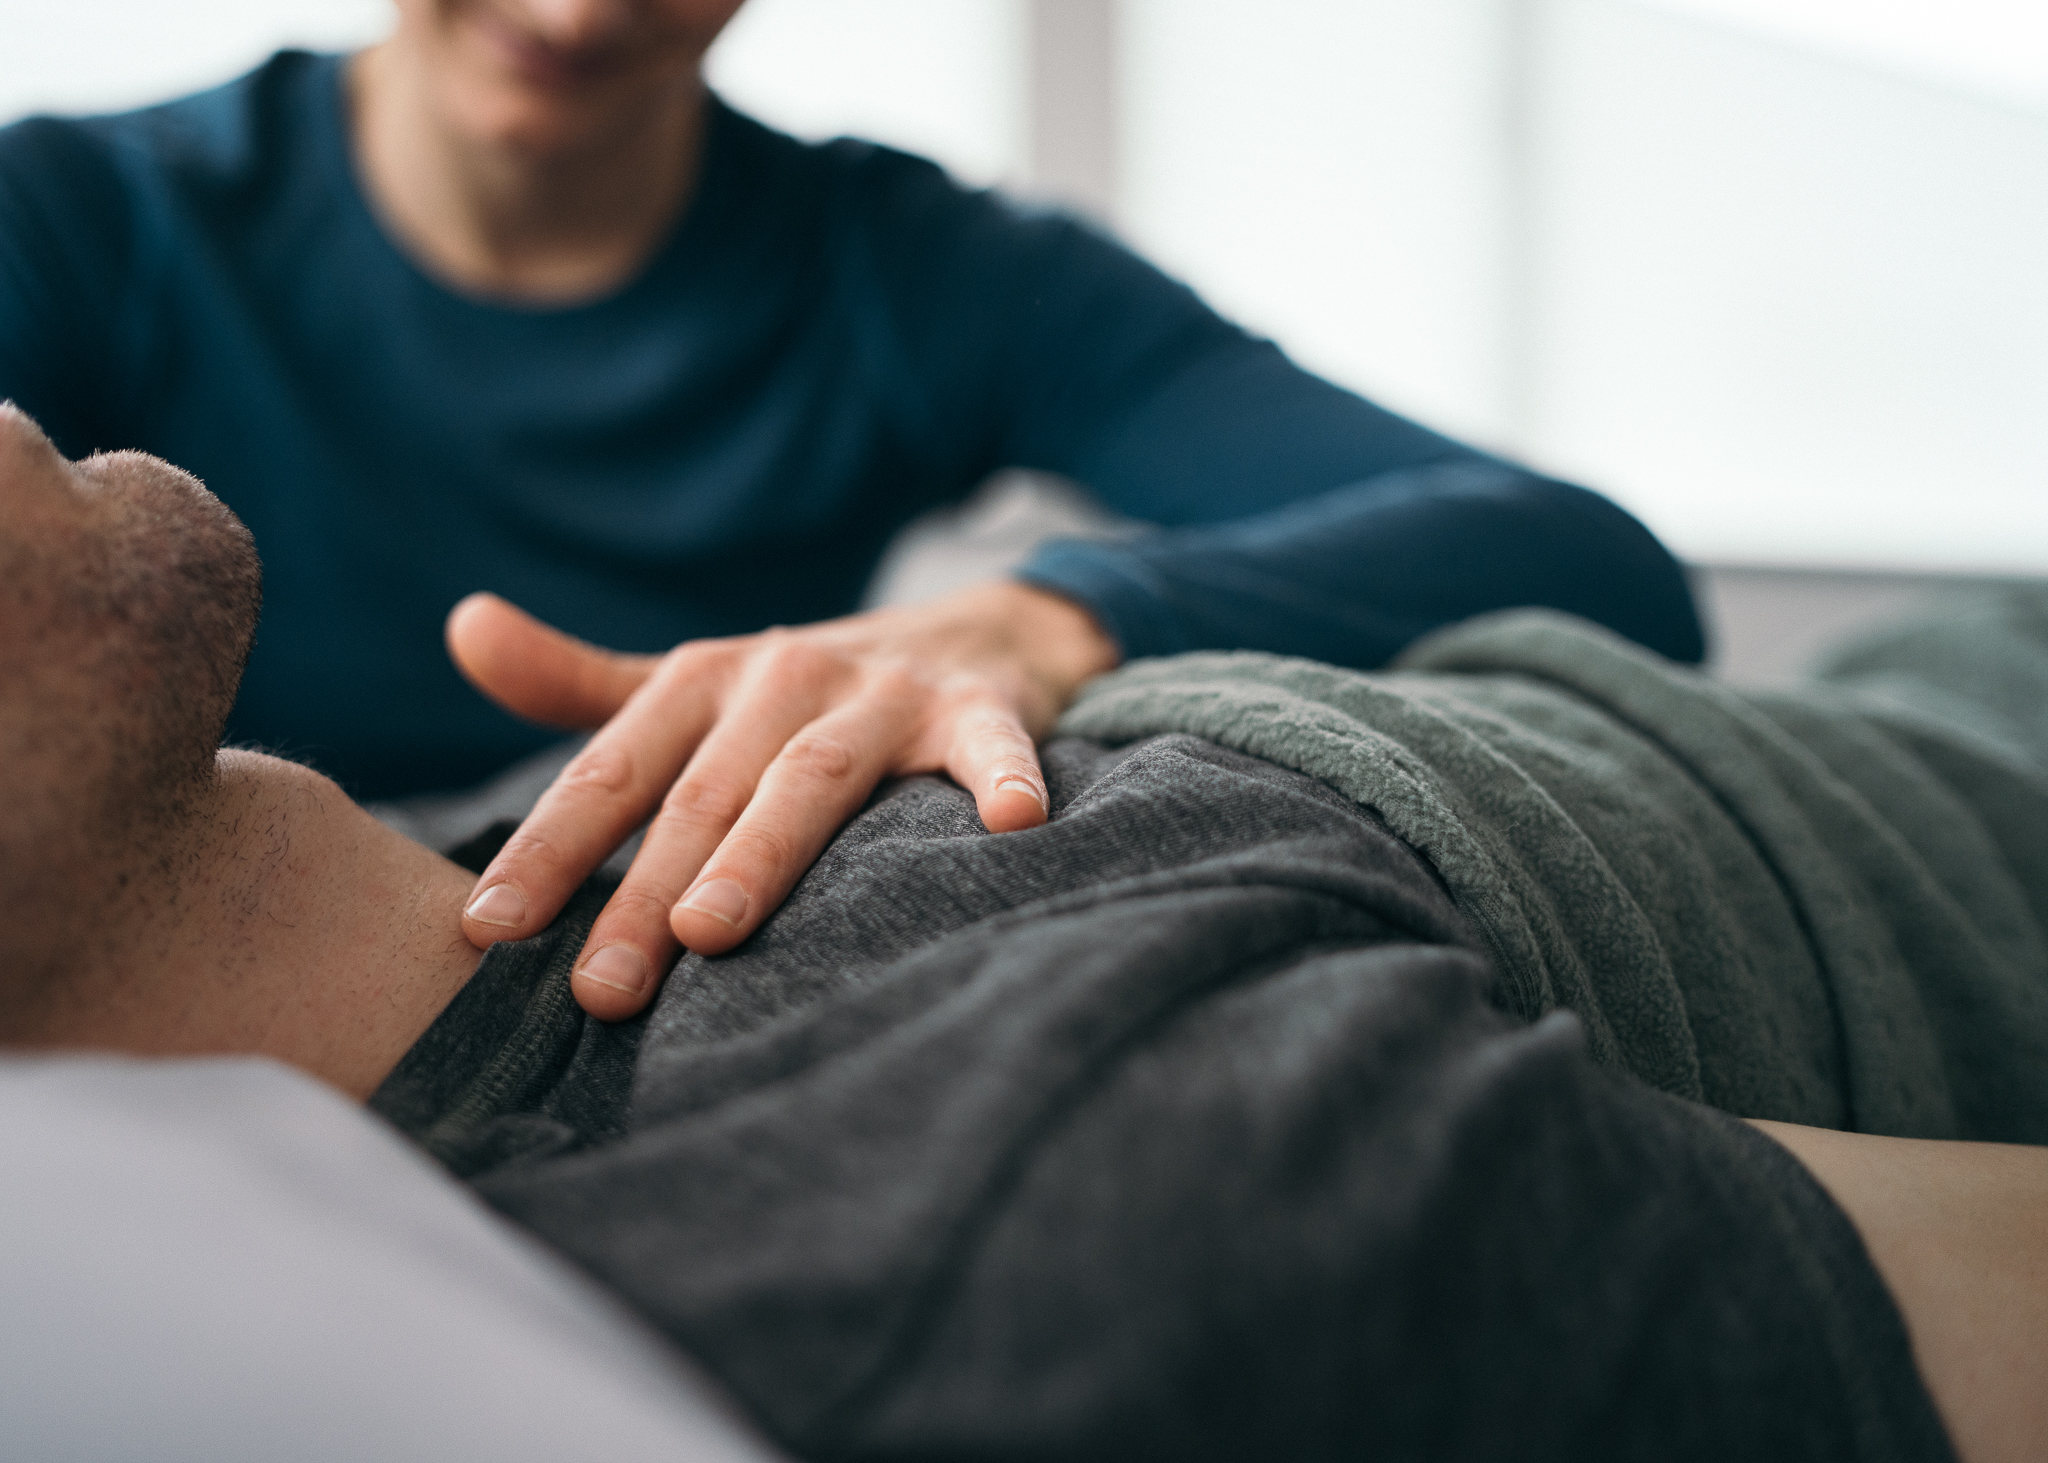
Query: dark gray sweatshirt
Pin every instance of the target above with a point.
(1183, 1127)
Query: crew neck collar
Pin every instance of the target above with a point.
(495, 1050)
(688, 234)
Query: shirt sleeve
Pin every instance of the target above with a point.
(1351, 576)
(1294, 516)
(66, 249)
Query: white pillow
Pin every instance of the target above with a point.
(223, 1260)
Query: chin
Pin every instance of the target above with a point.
(507, 118)
(248, 766)
(506, 90)
(543, 122)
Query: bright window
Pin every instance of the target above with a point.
(1769, 271)
(1996, 47)
(936, 76)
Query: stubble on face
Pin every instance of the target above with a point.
(128, 603)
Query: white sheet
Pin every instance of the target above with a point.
(223, 1260)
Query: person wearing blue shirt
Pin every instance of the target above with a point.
(510, 302)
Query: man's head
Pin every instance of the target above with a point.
(128, 600)
(164, 897)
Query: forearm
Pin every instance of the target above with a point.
(1298, 517)
(1352, 576)
(1959, 1231)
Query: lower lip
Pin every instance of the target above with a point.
(539, 66)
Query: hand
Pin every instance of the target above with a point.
(747, 754)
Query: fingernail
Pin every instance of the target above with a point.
(722, 899)
(500, 905)
(619, 966)
(1029, 789)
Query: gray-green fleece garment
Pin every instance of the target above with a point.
(1824, 906)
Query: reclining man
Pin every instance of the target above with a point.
(1188, 1124)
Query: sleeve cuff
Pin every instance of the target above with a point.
(1119, 588)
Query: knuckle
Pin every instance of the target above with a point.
(895, 681)
(682, 656)
(681, 826)
(693, 652)
(973, 702)
(634, 907)
(694, 802)
(528, 850)
(787, 660)
(988, 722)
(693, 663)
(820, 754)
(599, 769)
(758, 847)
(1002, 769)
(1000, 726)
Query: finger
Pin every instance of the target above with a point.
(632, 940)
(993, 757)
(604, 793)
(816, 783)
(534, 670)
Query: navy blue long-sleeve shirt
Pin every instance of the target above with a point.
(833, 339)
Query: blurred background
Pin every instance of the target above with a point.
(1769, 272)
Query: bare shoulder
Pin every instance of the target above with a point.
(1959, 1231)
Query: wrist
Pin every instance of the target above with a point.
(1059, 639)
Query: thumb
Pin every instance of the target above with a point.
(534, 670)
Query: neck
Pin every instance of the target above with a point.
(544, 222)
(298, 927)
